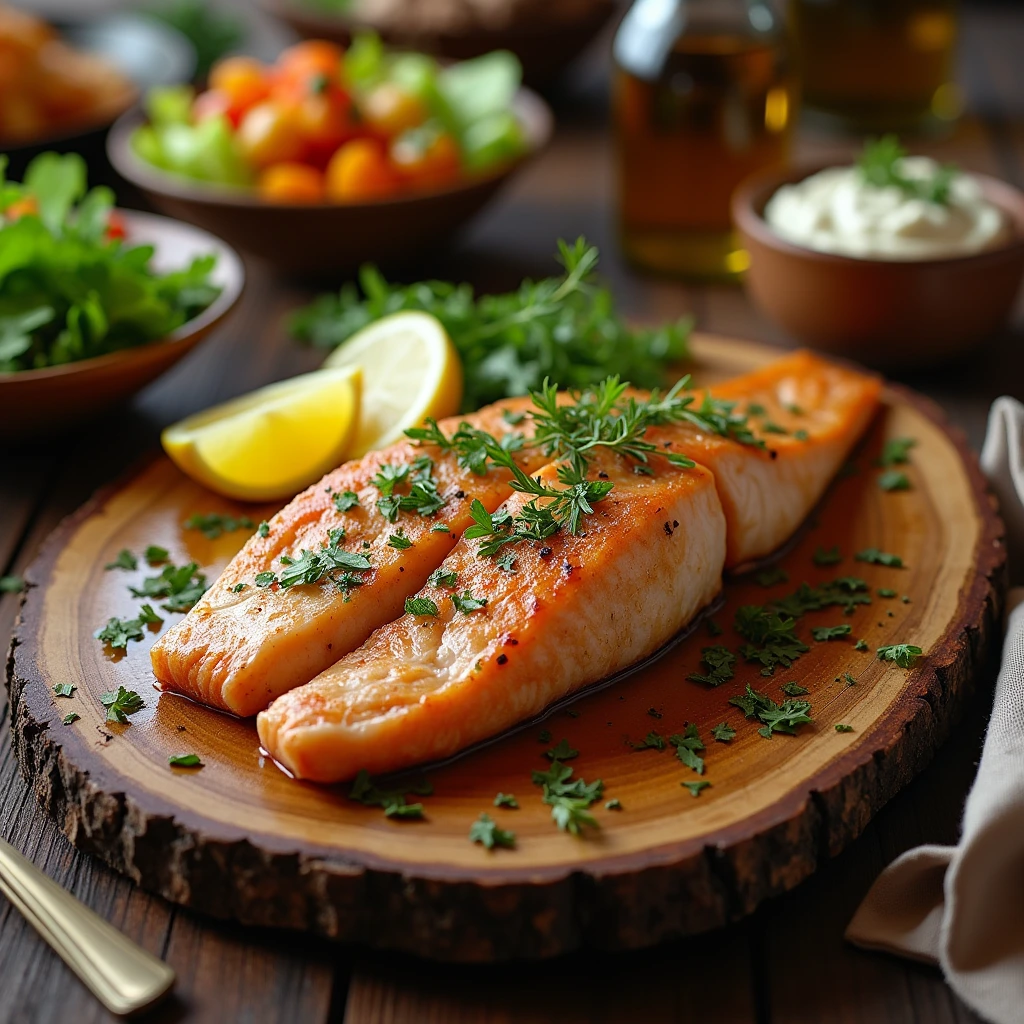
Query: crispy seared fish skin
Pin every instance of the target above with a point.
(809, 413)
(238, 651)
(575, 610)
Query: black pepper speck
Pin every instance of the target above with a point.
(501, 659)
(545, 552)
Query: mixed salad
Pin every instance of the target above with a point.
(325, 124)
(71, 287)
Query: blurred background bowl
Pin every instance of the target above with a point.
(889, 314)
(44, 402)
(544, 47)
(325, 239)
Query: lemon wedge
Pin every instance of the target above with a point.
(273, 442)
(411, 370)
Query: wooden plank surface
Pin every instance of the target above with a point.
(789, 964)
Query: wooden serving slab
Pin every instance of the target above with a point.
(238, 838)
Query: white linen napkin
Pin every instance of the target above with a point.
(962, 906)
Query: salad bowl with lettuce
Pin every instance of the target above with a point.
(95, 302)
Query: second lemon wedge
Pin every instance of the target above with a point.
(411, 370)
(273, 442)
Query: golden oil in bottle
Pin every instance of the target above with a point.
(704, 95)
(879, 65)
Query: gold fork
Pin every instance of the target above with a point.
(123, 976)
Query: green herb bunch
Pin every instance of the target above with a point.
(881, 164)
(68, 290)
(562, 328)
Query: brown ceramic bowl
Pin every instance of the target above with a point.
(40, 402)
(544, 49)
(888, 313)
(325, 239)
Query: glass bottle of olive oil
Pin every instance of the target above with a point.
(879, 65)
(704, 95)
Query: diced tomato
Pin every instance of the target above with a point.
(292, 183)
(361, 170)
(21, 207)
(116, 228)
(428, 163)
(268, 135)
(312, 57)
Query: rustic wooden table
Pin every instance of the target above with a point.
(786, 964)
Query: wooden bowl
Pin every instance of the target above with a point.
(40, 402)
(544, 50)
(324, 239)
(887, 313)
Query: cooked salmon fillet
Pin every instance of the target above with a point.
(809, 413)
(238, 649)
(575, 610)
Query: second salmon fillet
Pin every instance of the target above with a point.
(576, 609)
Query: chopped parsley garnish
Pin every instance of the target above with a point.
(117, 632)
(71, 719)
(850, 681)
(719, 662)
(562, 751)
(182, 586)
(894, 480)
(844, 728)
(345, 501)
(120, 704)
(713, 628)
(513, 419)
(420, 606)
(399, 541)
(544, 736)
(772, 638)
(11, 584)
(440, 528)
(697, 786)
(829, 556)
(212, 524)
(263, 530)
(769, 577)
(875, 557)
(442, 577)
(156, 555)
(393, 801)
(776, 718)
(613, 805)
(773, 428)
(185, 761)
(801, 435)
(861, 645)
(896, 451)
(903, 655)
(506, 800)
(569, 801)
(687, 744)
(125, 560)
(467, 604)
(64, 689)
(793, 689)
(723, 732)
(239, 587)
(652, 741)
(507, 562)
(885, 592)
(823, 633)
(881, 164)
(265, 579)
(331, 562)
(486, 832)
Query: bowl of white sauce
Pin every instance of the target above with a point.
(895, 261)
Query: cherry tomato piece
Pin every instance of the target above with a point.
(116, 228)
(391, 110)
(361, 170)
(428, 164)
(268, 135)
(243, 80)
(292, 183)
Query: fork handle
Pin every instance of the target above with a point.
(122, 975)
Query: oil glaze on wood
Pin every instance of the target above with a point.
(240, 839)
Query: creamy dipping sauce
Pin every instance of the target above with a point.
(837, 211)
